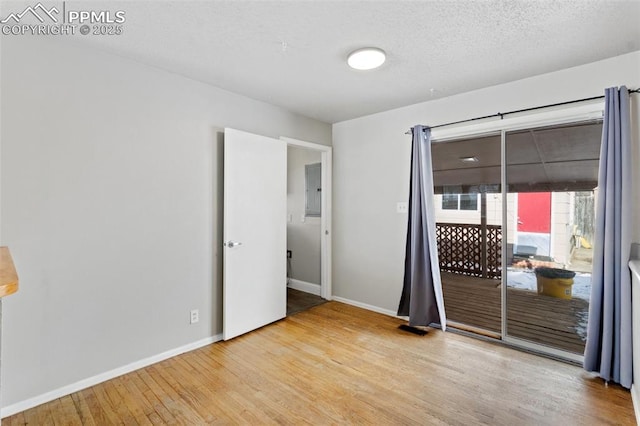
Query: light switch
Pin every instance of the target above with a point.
(289, 218)
(402, 207)
(303, 219)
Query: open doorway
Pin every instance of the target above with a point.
(308, 214)
(304, 173)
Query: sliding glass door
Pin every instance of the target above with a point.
(515, 216)
(551, 180)
(468, 208)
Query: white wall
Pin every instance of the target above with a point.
(455, 216)
(371, 169)
(303, 233)
(635, 312)
(111, 205)
(494, 212)
(561, 229)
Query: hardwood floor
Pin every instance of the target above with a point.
(338, 364)
(298, 301)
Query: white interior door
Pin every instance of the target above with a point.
(255, 232)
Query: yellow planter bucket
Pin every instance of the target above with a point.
(554, 282)
(555, 287)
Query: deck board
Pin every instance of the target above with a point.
(538, 318)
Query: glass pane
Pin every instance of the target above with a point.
(551, 181)
(469, 231)
(468, 201)
(450, 201)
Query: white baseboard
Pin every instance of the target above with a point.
(103, 377)
(366, 306)
(635, 397)
(305, 286)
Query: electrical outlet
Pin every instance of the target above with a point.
(195, 316)
(402, 207)
(289, 254)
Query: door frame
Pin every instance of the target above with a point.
(325, 210)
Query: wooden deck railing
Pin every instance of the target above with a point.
(473, 250)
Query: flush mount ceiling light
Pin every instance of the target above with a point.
(366, 58)
(469, 159)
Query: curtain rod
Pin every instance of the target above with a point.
(502, 114)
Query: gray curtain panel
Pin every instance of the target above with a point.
(421, 298)
(608, 350)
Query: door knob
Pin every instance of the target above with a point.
(232, 244)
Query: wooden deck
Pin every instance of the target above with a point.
(541, 319)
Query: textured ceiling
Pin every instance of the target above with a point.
(292, 53)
